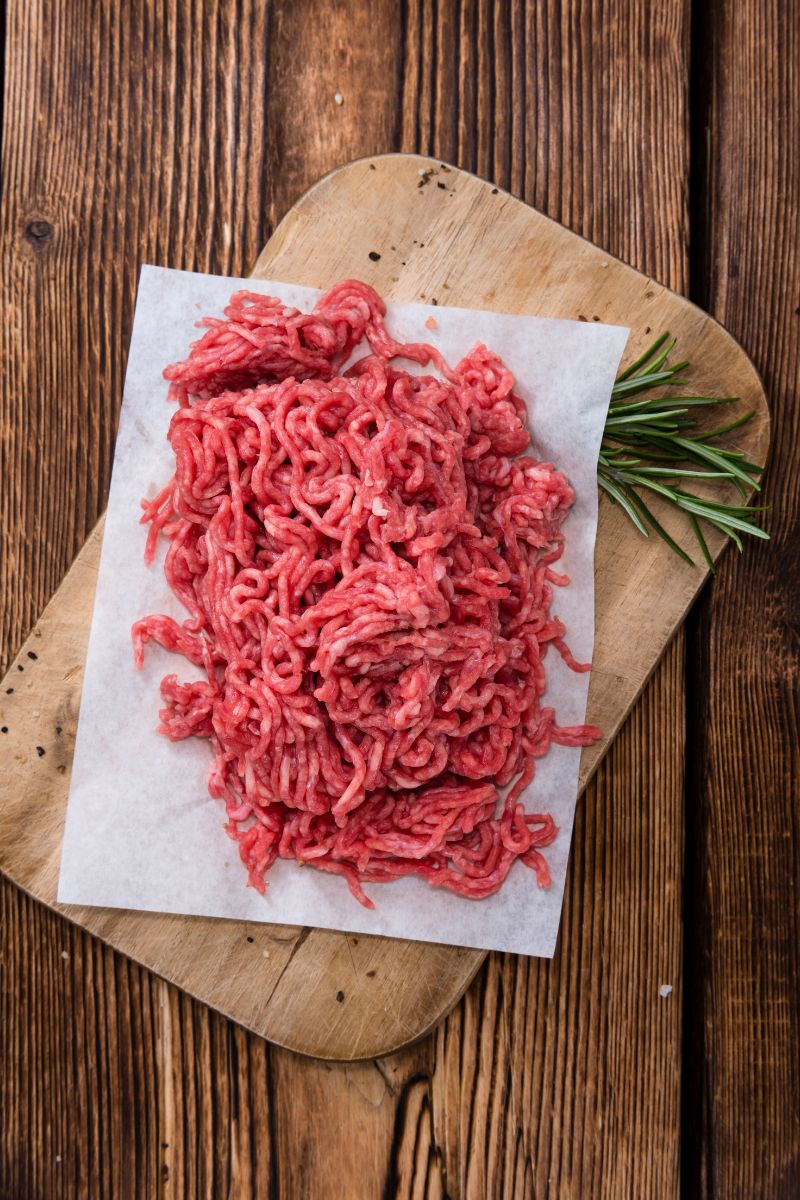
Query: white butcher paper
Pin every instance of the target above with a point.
(141, 830)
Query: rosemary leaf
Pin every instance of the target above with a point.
(659, 528)
(698, 533)
(619, 494)
(640, 362)
(652, 443)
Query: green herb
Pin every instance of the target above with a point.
(650, 445)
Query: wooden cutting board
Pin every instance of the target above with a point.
(417, 230)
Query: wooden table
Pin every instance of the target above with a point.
(178, 133)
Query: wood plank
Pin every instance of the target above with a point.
(744, 791)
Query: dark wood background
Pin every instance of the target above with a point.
(668, 133)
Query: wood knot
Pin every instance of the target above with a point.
(38, 232)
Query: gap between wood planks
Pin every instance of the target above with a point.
(694, 1125)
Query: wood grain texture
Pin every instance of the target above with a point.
(127, 1086)
(122, 122)
(745, 791)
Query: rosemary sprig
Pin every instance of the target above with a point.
(651, 444)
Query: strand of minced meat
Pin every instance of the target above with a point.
(366, 559)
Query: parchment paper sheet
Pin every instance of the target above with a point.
(141, 830)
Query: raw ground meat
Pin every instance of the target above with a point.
(366, 557)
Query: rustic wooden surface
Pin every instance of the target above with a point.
(180, 134)
(368, 996)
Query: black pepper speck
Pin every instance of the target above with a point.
(443, 186)
(20, 667)
(4, 729)
(32, 656)
(340, 997)
(373, 254)
(40, 751)
(9, 691)
(495, 191)
(249, 939)
(58, 729)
